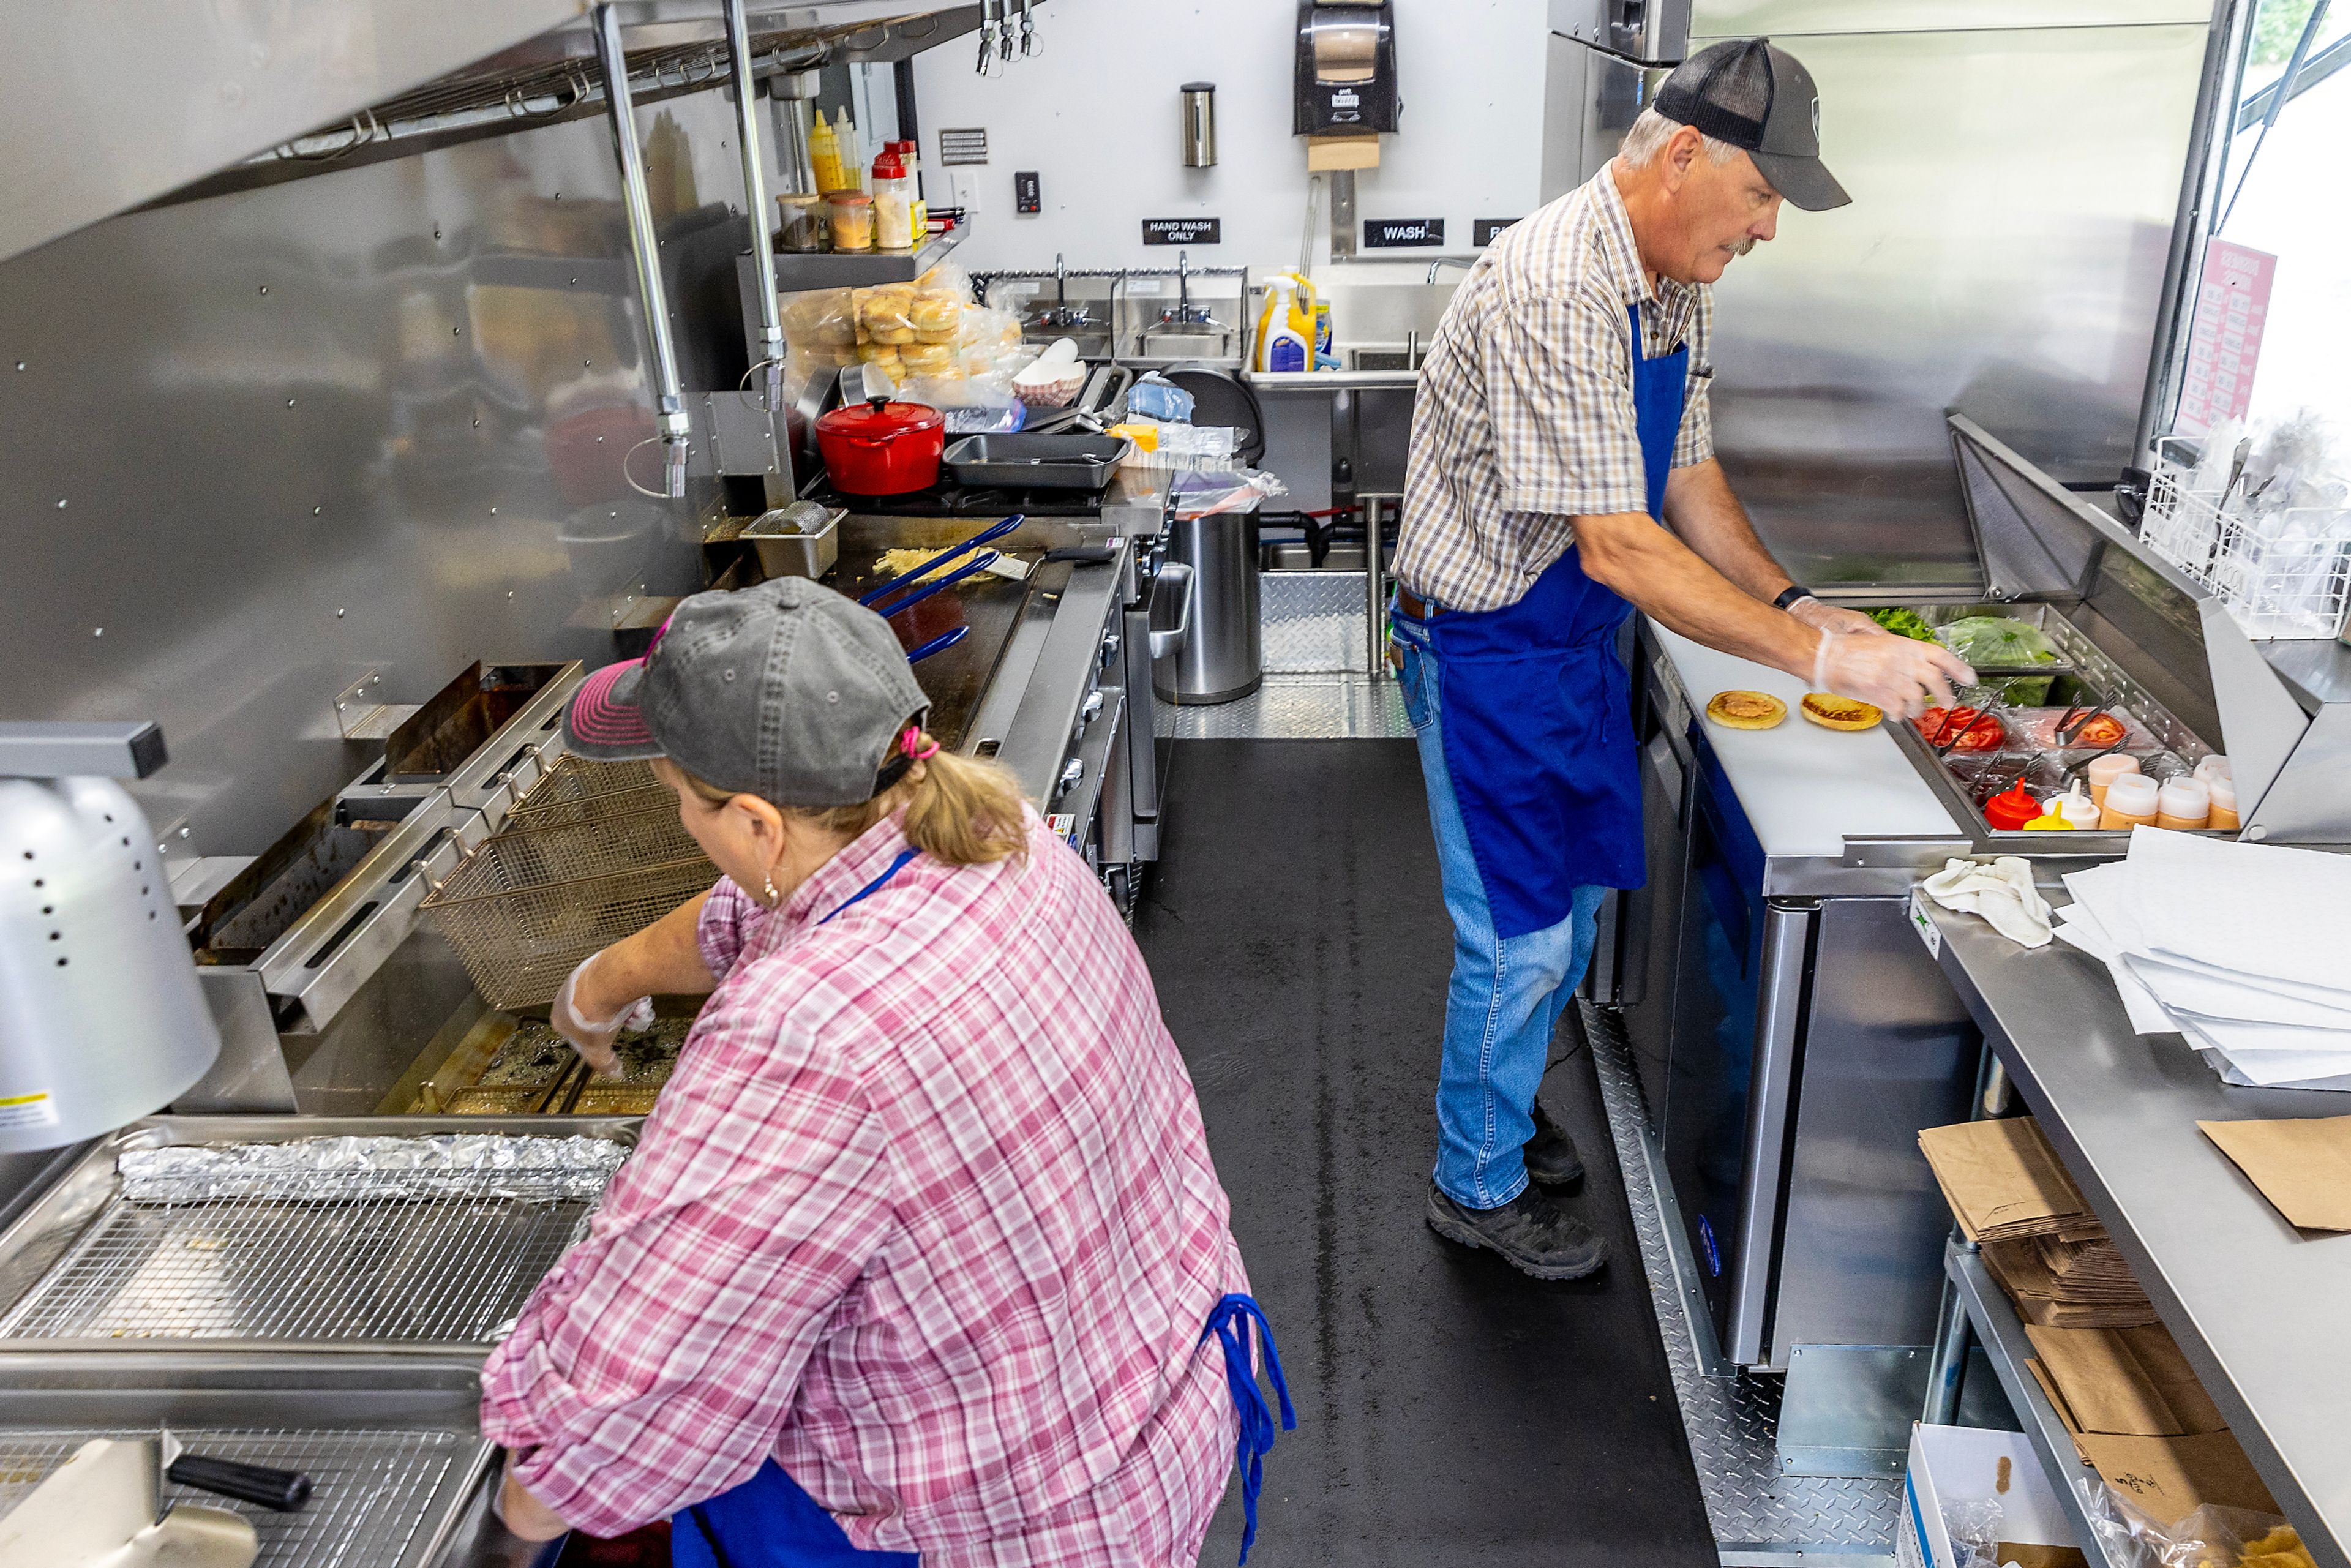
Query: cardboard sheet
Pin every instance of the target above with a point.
(2129, 1382)
(2003, 1181)
(2302, 1166)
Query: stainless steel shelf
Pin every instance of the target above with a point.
(2002, 1333)
(796, 273)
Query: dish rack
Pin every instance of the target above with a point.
(2282, 574)
(572, 872)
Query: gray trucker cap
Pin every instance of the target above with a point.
(788, 691)
(1760, 98)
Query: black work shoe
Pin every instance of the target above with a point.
(1550, 1157)
(1531, 1232)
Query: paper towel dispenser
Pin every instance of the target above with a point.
(1346, 68)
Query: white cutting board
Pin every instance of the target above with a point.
(1804, 787)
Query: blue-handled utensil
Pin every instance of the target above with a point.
(931, 585)
(985, 535)
(939, 644)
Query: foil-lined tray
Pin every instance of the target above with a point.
(474, 1164)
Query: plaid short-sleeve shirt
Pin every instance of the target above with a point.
(1525, 418)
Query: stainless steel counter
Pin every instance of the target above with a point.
(2262, 1310)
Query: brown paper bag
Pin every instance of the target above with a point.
(2171, 1476)
(2134, 1381)
(2002, 1180)
(2302, 1166)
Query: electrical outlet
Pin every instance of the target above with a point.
(1028, 194)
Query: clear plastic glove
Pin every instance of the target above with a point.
(1822, 617)
(592, 1039)
(1900, 674)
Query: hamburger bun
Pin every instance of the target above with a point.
(1832, 712)
(1746, 710)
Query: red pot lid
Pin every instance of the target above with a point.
(879, 420)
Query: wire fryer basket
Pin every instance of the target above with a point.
(528, 904)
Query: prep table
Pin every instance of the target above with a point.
(1790, 1032)
(2259, 1307)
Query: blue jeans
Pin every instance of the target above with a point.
(1506, 996)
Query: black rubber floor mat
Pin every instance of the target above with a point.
(1451, 1411)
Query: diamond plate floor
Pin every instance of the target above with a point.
(1312, 622)
(1759, 1516)
(1298, 707)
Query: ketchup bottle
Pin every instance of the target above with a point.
(2011, 808)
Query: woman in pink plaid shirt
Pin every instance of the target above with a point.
(921, 1252)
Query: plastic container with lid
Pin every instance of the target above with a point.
(910, 155)
(2131, 802)
(2103, 770)
(2214, 767)
(2223, 792)
(2011, 808)
(853, 220)
(801, 227)
(2184, 804)
(893, 205)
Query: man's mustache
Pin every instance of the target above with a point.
(1746, 242)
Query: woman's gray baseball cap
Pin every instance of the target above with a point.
(788, 691)
(1760, 98)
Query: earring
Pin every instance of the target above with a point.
(774, 898)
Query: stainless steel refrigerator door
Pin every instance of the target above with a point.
(1888, 1048)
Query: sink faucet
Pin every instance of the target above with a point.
(1063, 317)
(1185, 313)
(1446, 261)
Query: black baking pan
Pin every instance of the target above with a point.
(1022, 462)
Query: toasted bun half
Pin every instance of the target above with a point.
(1746, 710)
(1840, 713)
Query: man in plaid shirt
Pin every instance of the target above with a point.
(1563, 415)
(922, 1246)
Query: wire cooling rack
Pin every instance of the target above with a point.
(323, 1265)
(371, 1491)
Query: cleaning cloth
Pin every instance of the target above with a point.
(2002, 892)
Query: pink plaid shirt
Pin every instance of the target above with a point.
(926, 1213)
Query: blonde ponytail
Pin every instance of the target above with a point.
(958, 808)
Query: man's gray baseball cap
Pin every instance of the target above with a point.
(787, 691)
(1759, 98)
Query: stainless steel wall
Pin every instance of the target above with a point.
(2014, 166)
(261, 445)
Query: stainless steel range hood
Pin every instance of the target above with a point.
(110, 105)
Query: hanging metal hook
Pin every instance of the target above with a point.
(1030, 47)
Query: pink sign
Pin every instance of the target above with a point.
(2233, 303)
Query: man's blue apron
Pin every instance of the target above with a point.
(769, 1522)
(1536, 724)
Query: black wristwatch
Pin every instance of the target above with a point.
(1789, 594)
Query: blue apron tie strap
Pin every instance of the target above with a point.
(1229, 1320)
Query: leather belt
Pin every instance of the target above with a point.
(1412, 604)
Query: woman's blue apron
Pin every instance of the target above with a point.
(1537, 719)
(769, 1521)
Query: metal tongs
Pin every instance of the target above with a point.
(2077, 718)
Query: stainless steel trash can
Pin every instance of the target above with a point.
(1223, 655)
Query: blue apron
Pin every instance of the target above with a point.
(1538, 725)
(769, 1521)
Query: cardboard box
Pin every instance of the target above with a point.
(1967, 1463)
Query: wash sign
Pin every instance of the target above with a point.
(2232, 305)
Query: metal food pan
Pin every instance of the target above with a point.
(332, 1271)
(393, 1447)
(1036, 462)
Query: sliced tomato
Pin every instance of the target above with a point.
(1962, 729)
(2104, 730)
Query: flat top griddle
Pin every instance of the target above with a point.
(956, 679)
